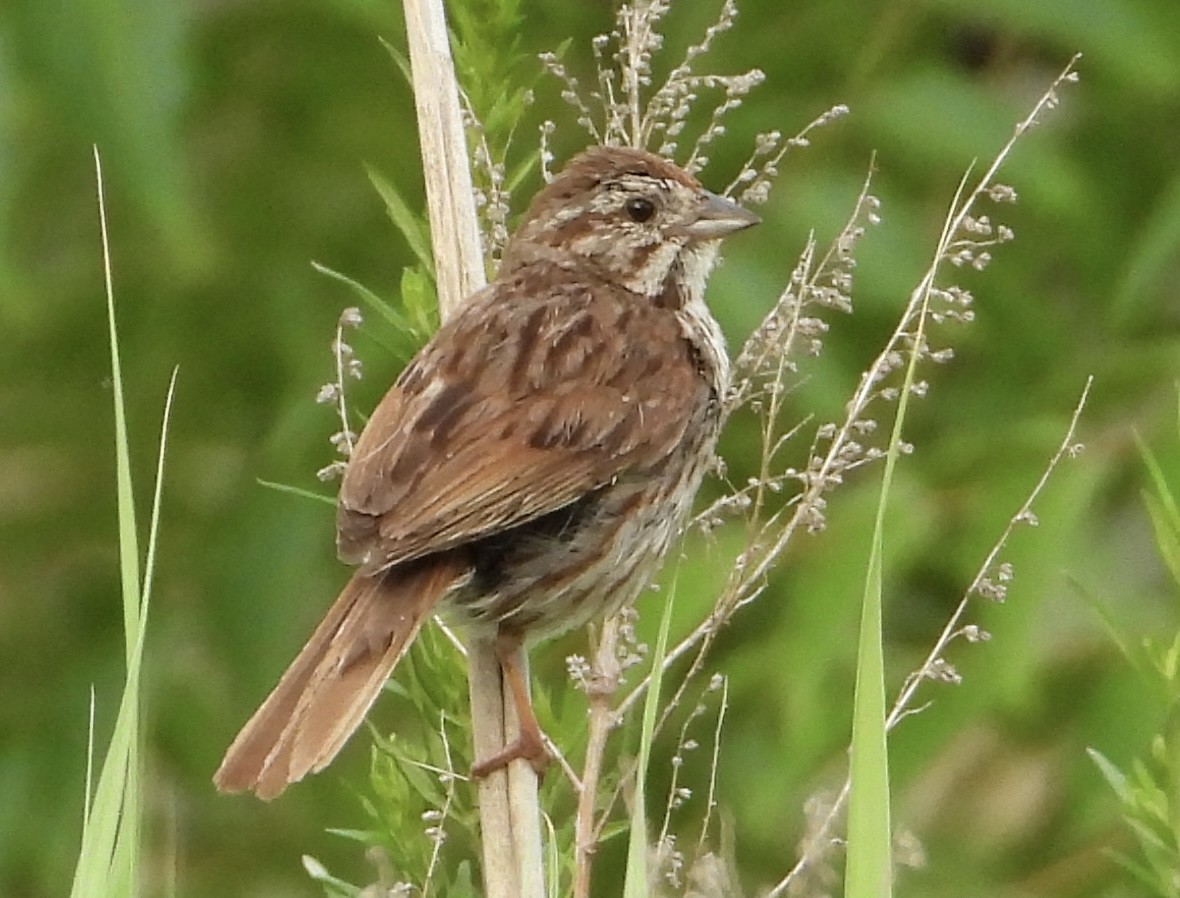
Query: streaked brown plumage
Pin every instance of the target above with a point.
(530, 466)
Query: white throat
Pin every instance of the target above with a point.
(698, 324)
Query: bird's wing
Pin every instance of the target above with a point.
(524, 402)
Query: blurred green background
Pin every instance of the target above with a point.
(234, 137)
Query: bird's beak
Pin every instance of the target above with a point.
(719, 217)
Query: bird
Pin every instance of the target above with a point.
(531, 465)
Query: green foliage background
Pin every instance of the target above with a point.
(235, 137)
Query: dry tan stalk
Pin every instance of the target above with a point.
(510, 823)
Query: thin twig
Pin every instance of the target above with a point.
(347, 436)
(714, 763)
(436, 832)
(600, 690)
(952, 629)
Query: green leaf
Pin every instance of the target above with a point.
(1113, 776)
(295, 491)
(420, 302)
(366, 296)
(1163, 510)
(524, 169)
(411, 226)
(399, 60)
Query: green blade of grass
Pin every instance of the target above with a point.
(869, 864)
(869, 867)
(635, 885)
(105, 857)
(108, 859)
(128, 539)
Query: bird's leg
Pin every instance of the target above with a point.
(530, 744)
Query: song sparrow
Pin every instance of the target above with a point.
(530, 466)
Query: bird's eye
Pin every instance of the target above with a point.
(639, 209)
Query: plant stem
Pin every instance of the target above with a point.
(509, 812)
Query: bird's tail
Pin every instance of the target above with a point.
(326, 692)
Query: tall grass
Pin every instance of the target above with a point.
(110, 858)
